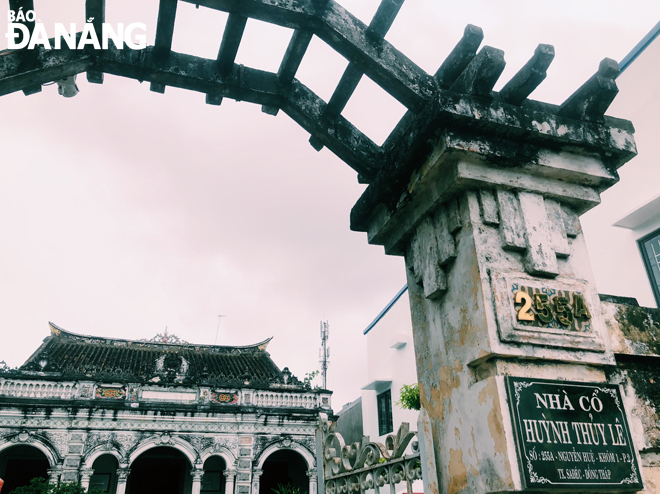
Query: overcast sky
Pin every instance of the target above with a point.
(123, 211)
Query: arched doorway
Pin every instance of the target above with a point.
(284, 467)
(105, 474)
(161, 470)
(213, 480)
(20, 464)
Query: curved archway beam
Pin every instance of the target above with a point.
(252, 85)
(199, 74)
(464, 77)
(49, 65)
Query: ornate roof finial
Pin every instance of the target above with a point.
(166, 337)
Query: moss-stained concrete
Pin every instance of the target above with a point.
(634, 329)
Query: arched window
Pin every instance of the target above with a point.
(213, 481)
(105, 474)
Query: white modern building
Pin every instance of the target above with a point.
(623, 232)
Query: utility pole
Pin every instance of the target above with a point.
(324, 353)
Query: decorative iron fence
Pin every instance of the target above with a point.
(366, 465)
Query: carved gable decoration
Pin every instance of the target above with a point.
(171, 367)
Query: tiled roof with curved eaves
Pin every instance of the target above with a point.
(79, 356)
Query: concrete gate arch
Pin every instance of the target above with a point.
(458, 138)
(464, 72)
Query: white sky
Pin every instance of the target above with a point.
(124, 211)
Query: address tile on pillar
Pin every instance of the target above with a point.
(546, 312)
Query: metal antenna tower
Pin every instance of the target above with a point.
(220, 316)
(324, 353)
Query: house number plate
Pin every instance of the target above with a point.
(551, 308)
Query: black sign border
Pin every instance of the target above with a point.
(568, 487)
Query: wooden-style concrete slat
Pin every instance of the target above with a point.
(384, 17)
(95, 10)
(231, 40)
(25, 5)
(295, 52)
(529, 77)
(343, 92)
(481, 74)
(460, 56)
(594, 97)
(293, 56)
(165, 28)
(29, 59)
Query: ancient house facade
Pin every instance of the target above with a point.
(157, 416)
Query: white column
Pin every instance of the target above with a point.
(229, 484)
(197, 481)
(122, 478)
(54, 474)
(256, 475)
(85, 477)
(312, 481)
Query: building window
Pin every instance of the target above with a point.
(385, 425)
(650, 248)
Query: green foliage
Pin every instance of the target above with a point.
(309, 377)
(410, 397)
(42, 486)
(288, 488)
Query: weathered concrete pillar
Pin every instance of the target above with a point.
(256, 476)
(312, 481)
(122, 479)
(197, 481)
(230, 475)
(485, 209)
(85, 477)
(54, 474)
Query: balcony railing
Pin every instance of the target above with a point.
(23, 388)
(37, 389)
(285, 400)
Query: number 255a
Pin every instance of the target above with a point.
(546, 309)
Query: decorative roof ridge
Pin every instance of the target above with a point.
(59, 332)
